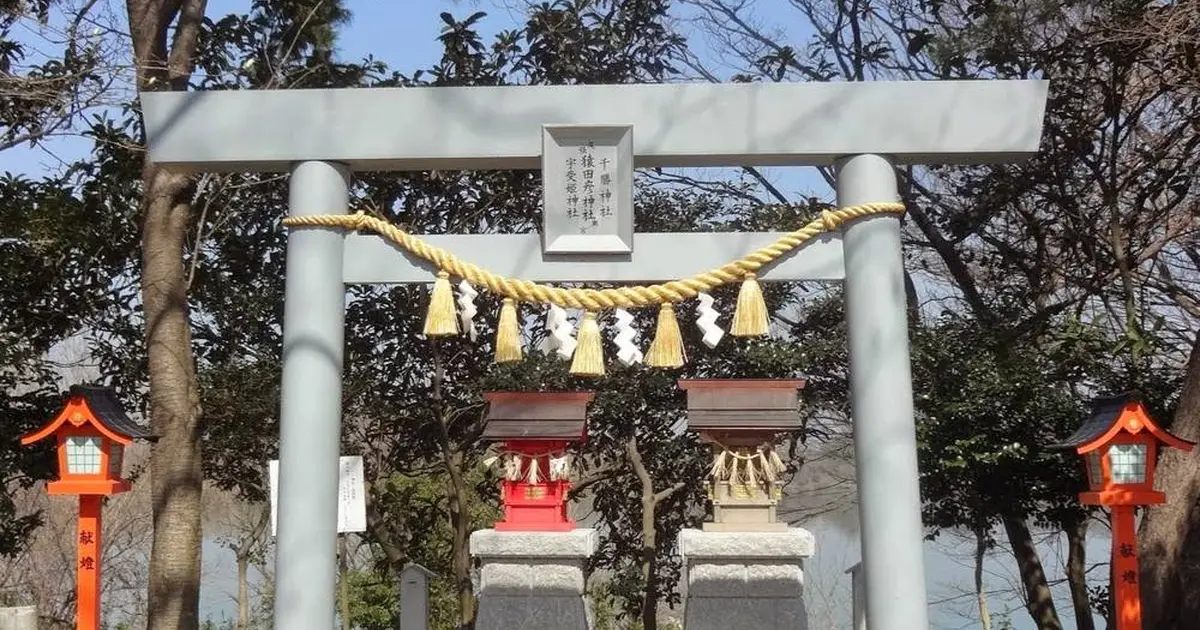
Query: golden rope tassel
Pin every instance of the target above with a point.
(441, 320)
(589, 353)
(768, 469)
(750, 318)
(666, 351)
(508, 334)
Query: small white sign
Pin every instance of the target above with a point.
(352, 500)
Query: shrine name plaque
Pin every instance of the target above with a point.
(587, 183)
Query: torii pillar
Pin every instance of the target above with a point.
(863, 129)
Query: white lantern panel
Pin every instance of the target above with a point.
(115, 451)
(83, 455)
(1128, 463)
(1094, 472)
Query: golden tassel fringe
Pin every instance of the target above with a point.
(508, 334)
(750, 319)
(589, 353)
(666, 351)
(440, 319)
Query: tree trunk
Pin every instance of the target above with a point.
(985, 617)
(1077, 574)
(244, 554)
(173, 600)
(650, 500)
(457, 500)
(1038, 601)
(649, 558)
(1169, 540)
(176, 476)
(243, 596)
(460, 522)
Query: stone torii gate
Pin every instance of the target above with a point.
(863, 129)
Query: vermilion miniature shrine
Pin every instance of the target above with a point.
(1119, 442)
(91, 432)
(535, 431)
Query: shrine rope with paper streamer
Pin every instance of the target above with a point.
(750, 467)
(666, 350)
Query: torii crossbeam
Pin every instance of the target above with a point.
(863, 129)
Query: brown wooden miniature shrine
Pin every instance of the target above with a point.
(742, 419)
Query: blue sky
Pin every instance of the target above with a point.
(403, 33)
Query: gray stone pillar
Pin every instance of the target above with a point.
(745, 579)
(885, 440)
(533, 580)
(310, 420)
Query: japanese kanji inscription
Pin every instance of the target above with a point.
(587, 178)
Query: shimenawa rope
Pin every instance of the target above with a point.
(598, 299)
(666, 349)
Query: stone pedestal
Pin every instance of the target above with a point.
(532, 580)
(745, 579)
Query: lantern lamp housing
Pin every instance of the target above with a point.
(1119, 443)
(91, 433)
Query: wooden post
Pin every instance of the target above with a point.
(1127, 598)
(414, 598)
(858, 597)
(88, 566)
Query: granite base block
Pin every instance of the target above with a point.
(532, 580)
(745, 579)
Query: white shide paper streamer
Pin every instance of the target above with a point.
(627, 351)
(466, 308)
(560, 339)
(706, 320)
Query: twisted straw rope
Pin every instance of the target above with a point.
(600, 299)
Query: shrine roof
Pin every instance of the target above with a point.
(102, 401)
(1105, 413)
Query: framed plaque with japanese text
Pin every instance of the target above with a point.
(587, 179)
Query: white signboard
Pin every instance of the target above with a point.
(352, 500)
(587, 183)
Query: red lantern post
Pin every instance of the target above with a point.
(92, 432)
(1119, 443)
(535, 431)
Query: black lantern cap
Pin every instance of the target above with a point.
(1105, 412)
(107, 408)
